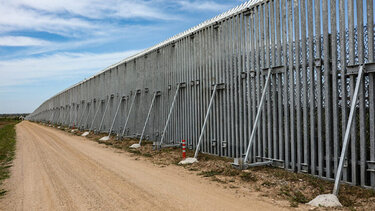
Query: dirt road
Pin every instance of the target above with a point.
(58, 171)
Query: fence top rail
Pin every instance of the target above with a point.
(234, 11)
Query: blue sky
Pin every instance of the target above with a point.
(46, 45)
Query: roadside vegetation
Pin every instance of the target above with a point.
(289, 188)
(7, 148)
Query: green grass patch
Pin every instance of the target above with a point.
(7, 149)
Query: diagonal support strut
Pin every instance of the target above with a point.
(148, 116)
(169, 114)
(256, 122)
(130, 110)
(347, 133)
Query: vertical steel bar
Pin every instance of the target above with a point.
(241, 114)
(183, 92)
(250, 77)
(306, 160)
(362, 118)
(279, 27)
(335, 101)
(353, 149)
(327, 91)
(274, 98)
(208, 83)
(258, 74)
(298, 128)
(343, 54)
(231, 89)
(291, 85)
(286, 98)
(236, 84)
(221, 98)
(319, 86)
(189, 91)
(268, 93)
(263, 51)
(217, 121)
(227, 94)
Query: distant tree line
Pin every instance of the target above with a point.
(13, 116)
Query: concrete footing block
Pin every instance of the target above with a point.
(85, 134)
(105, 138)
(325, 200)
(188, 161)
(135, 146)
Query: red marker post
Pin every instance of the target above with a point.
(183, 149)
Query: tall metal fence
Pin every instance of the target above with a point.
(314, 50)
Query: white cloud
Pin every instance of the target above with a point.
(18, 18)
(97, 9)
(62, 65)
(72, 18)
(202, 5)
(21, 41)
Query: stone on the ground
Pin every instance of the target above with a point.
(188, 161)
(85, 134)
(135, 146)
(73, 131)
(58, 127)
(105, 138)
(325, 200)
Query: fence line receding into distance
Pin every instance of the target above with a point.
(314, 50)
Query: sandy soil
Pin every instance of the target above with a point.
(57, 171)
